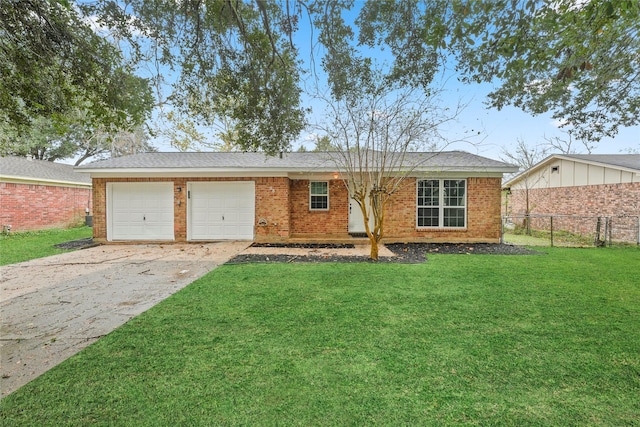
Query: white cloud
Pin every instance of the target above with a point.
(558, 123)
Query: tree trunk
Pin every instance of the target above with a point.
(374, 248)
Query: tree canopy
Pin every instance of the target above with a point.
(234, 61)
(577, 60)
(240, 59)
(52, 62)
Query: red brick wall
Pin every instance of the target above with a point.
(587, 200)
(283, 204)
(576, 209)
(34, 206)
(332, 221)
(271, 204)
(483, 215)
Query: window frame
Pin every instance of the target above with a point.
(441, 207)
(312, 195)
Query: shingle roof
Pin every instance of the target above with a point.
(630, 161)
(40, 170)
(309, 161)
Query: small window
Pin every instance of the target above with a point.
(318, 195)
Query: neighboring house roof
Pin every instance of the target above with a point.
(630, 162)
(21, 169)
(458, 161)
(624, 162)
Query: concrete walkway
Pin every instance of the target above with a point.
(53, 307)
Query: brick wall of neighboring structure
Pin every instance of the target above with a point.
(333, 221)
(576, 209)
(282, 210)
(35, 206)
(587, 200)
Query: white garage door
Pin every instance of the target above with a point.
(140, 211)
(221, 210)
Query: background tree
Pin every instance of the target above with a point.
(525, 157)
(324, 144)
(42, 140)
(568, 144)
(100, 143)
(577, 60)
(57, 74)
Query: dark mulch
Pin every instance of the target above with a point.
(78, 244)
(460, 248)
(304, 245)
(406, 253)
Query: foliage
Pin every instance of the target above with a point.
(234, 60)
(576, 59)
(462, 339)
(48, 140)
(52, 63)
(27, 245)
(239, 60)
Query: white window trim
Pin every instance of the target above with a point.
(312, 194)
(441, 207)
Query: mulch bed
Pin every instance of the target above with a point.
(406, 253)
(77, 244)
(304, 245)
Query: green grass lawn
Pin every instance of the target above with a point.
(550, 339)
(23, 246)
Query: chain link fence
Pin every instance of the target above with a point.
(571, 230)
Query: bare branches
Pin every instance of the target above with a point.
(377, 138)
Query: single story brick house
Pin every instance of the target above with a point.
(36, 194)
(295, 197)
(580, 185)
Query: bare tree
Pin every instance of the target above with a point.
(525, 157)
(569, 145)
(376, 139)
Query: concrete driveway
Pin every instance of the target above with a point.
(53, 307)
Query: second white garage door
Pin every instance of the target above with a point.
(221, 210)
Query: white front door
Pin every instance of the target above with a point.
(140, 211)
(356, 218)
(221, 210)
